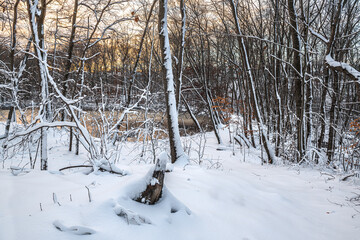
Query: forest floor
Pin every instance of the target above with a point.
(228, 195)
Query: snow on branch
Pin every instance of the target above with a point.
(126, 111)
(6, 86)
(319, 36)
(344, 68)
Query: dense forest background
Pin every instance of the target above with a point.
(285, 72)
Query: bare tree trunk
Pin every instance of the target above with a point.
(330, 45)
(181, 57)
(69, 55)
(176, 149)
(213, 116)
(193, 117)
(12, 68)
(322, 109)
(332, 125)
(36, 18)
(277, 78)
(265, 141)
(298, 85)
(133, 74)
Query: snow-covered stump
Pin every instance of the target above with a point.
(155, 185)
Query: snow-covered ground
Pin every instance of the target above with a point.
(222, 198)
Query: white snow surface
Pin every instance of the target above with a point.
(221, 198)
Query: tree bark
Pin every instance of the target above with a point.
(176, 149)
(36, 18)
(181, 56)
(153, 190)
(69, 54)
(298, 85)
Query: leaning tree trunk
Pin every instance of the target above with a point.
(168, 79)
(36, 18)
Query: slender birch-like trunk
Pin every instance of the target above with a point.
(176, 149)
(181, 56)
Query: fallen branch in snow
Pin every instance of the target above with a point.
(348, 176)
(356, 198)
(130, 216)
(78, 230)
(343, 67)
(339, 204)
(76, 166)
(111, 168)
(331, 177)
(18, 170)
(221, 148)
